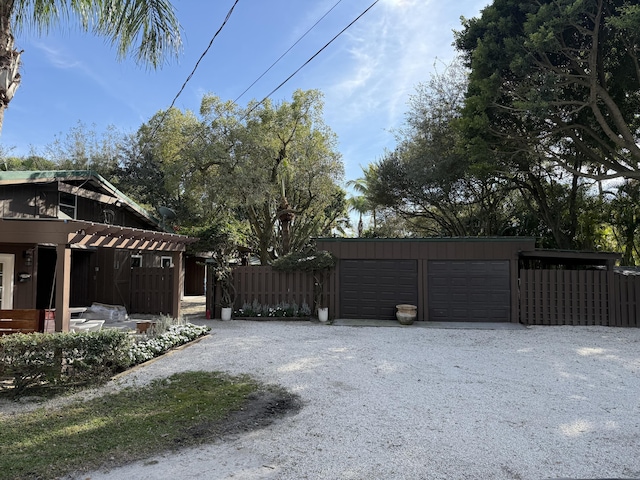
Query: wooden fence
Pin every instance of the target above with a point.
(152, 290)
(627, 306)
(271, 287)
(579, 297)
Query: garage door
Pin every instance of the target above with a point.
(372, 288)
(469, 291)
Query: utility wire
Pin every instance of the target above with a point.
(194, 138)
(288, 50)
(184, 85)
(310, 59)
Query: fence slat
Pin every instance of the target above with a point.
(271, 287)
(573, 297)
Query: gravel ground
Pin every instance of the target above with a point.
(416, 403)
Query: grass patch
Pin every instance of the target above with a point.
(185, 409)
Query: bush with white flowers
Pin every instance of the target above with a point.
(149, 347)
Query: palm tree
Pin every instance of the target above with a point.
(364, 203)
(147, 28)
(359, 205)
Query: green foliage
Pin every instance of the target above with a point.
(427, 180)
(147, 28)
(164, 335)
(554, 81)
(62, 360)
(273, 168)
(318, 262)
(221, 240)
(83, 148)
(306, 261)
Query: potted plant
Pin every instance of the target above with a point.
(221, 241)
(318, 262)
(224, 277)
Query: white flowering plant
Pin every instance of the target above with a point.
(145, 348)
(282, 309)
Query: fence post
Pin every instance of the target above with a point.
(613, 300)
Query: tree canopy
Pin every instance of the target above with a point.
(556, 80)
(274, 167)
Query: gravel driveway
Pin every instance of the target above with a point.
(417, 403)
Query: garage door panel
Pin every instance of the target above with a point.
(461, 290)
(372, 288)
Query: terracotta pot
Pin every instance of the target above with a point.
(142, 327)
(406, 313)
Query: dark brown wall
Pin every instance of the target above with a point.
(41, 200)
(24, 293)
(432, 249)
(28, 201)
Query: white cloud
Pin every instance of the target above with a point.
(392, 49)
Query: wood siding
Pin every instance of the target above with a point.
(41, 200)
(425, 250)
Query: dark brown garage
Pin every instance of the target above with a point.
(449, 279)
(372, 288)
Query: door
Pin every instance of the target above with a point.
(371, 289)
(7, 262)
(469, 291)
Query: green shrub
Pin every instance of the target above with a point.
(62, 359)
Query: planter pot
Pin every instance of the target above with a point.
(323, 314)
(406, 314)
(225, 313)
(142, 327)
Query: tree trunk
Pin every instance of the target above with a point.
(9, 59)
(285, 216)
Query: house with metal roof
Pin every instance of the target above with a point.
(71, 238)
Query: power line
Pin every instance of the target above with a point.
(310, 59)
(288, 50)
(184, 85)
(195, 137)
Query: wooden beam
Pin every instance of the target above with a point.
(63, 287)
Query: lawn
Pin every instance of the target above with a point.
(186, 409)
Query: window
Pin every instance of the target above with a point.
(167, 262)
(68, 204)
(136, 261)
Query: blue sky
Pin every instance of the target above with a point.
(366, 75)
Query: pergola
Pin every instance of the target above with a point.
(66, 235)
